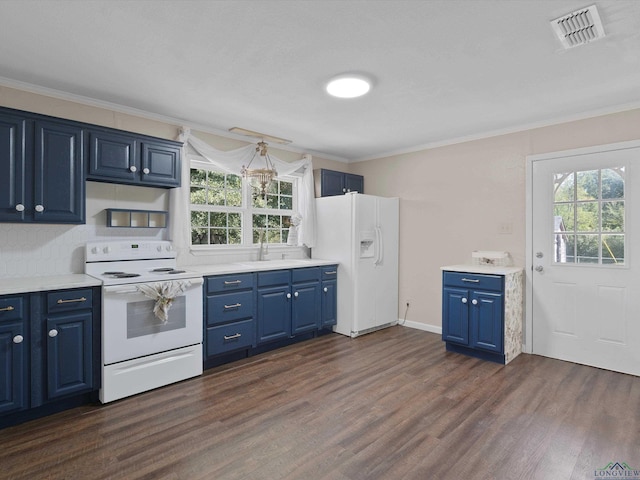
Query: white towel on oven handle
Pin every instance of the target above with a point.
(163, 293)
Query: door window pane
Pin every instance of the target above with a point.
(587, 185)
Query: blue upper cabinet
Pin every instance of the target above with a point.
(121, 157)
(41, 171)
(330, 183)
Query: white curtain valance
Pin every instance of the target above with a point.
(232, 162)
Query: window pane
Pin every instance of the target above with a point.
(612, 216)
(587, 217)
(218, 236)
(198, 196)
(286, 188)
(286, 203)
(563, 217)
(563, 248)
(259, 221)
(273, 221)
(273, 236)
(613, 182)
(199, 236)
(272, 201)
(234, 182)
(613, 249)
(588, 187)
(564, 187)
(198, 177)
(587, 248)
(234, 198)
(235, 236)
(199, 219)
(218, 219)
(235, 220)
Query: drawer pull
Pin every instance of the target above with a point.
(232, 337)
(472, 280)
(72, 300)
(229, 307)
(332, 272)
(234, 282)
(7, 309)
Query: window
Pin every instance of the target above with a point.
(226, 210)
(589, 217)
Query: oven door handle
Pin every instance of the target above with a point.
(124, 289)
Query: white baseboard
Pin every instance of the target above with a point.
(421, 326)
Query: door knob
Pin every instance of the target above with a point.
(539, 268)
(539, 255)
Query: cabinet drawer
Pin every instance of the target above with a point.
(225, 338)
(276, 277)
(305, 274)
(68, 300)
(11, 308)
(329, 272)
(473, 280)
(226, 283)
(231, 306)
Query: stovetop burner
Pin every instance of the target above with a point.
(161, 270)
(121, 274)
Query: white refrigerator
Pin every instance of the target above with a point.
(361, 233)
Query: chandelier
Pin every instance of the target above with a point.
(260, 178)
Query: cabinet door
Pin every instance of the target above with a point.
(12, 167)
(486, 321)
(455, 315)
(274, 313)
(329, 303)
(305, 313)
(69, 354)
(13, 367)
(332, 183)
(58, 173)
(160, 164)
(354, 183)
(112, 156)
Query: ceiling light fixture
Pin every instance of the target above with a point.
(260, 178)
(348, 86)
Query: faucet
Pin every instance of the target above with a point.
(264, 247)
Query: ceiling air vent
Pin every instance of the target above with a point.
(579, 27)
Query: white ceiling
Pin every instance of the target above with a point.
(444, 70)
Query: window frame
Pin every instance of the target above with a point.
(247, 210)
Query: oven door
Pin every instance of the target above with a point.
(131, 329)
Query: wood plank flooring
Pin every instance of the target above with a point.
(389, 405)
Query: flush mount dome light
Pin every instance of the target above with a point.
(348, 86)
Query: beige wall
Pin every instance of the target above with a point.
(470, 196)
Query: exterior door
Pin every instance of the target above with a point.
(585, 228)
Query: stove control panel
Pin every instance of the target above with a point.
(114, 250)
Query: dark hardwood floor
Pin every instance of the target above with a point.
(389, 405)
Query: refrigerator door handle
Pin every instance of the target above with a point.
(380, 249)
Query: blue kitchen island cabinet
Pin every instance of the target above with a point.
(41, 170)
(122, 157)
(14, 346)
(482, 311)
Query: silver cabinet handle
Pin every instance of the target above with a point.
(20, 207)
(39, 208)
(229, 307)
(474, 301)
(232, 337)
(332, 272)
(325, 289)
(72, 300)
(472, 280)
(288, 295)
(18, 339)
(133, 168)
(53, 333)
(7, 309)
(234, 282)
(145, 171)
(464, 300)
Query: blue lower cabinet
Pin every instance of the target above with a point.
(230, 337)
(14, 345)
(473, 314)
(274, 313)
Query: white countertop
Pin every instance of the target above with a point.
(10, 286)
(256, 266)
(488, 269)
(51, 282)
